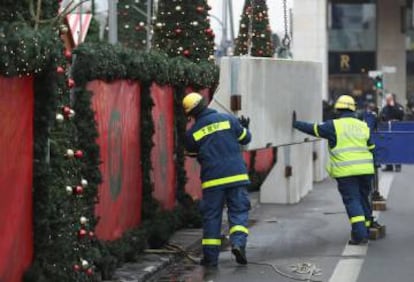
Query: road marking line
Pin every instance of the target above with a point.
(347, 270)
(384, 184)
(354, 251)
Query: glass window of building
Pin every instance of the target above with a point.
(352, 26)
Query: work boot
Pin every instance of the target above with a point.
(376, 225)
(358, 242)
(240, 254)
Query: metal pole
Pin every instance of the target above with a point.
(113, 21)
(80, 24)
(225, 24)
(149, 25)
(231, 22)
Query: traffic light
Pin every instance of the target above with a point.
(379, 84)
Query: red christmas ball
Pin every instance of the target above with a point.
(89, 272)
(186, 53)
(82, 233)
(71, 83)
(66, 111)
(209, 32)
(178, 31)
(260, 52)
(91, 234)
(78, 154)
(67, 54)
(78, 190)
(76, 267)
(60, 70)
(200, 9)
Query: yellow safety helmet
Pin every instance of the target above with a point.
(191, 101)
(345, 102)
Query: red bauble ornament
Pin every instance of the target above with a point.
(60, 70)
(89, 272)
(68, 54)
(260, 52)
(71, 83)
(178, 31)
(66, 111)
(76, 267)
(91, 234)
(186, 53)
(209, 31)
(200, 9)
(78, 190)
(78, 154)
(82, 233)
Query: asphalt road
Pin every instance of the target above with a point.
(309, 241)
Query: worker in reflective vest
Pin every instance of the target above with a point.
(351, 162)
(215, 139)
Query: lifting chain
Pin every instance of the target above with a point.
(286, 38)
(250, 28)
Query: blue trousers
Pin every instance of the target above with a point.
(355, 192)
(211, 207)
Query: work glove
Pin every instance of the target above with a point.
(294, 118)
(244, 121)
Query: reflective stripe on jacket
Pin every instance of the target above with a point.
(351, 155)
(215, 139)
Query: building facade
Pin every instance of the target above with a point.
(361, 36)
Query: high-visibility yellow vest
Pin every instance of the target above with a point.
(351, 155)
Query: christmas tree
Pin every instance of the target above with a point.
(183, 29)
(132, 23)
(255, 32)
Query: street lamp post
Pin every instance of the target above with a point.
(113, 21)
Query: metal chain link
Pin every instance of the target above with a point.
(286, 38)
(250, 29)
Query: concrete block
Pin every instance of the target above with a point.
(277, 188)
(271, 90)
(320, 151)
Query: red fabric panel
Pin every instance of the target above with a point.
(264, 160)
(162, 155)
(16, 171)
(117, 107)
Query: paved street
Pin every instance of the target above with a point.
(310, 238)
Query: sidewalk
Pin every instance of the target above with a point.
(150, 265)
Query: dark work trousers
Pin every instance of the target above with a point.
(355, 192)
(211, 206)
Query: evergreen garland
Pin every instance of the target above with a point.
(24, 51)
(108, 62)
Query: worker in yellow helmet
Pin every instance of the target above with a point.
(215, 139)
(351, 163)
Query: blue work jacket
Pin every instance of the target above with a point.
(215, 140)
